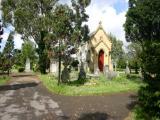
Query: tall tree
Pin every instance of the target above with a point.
(31, 19)
(63, 31)
(7, 54)
(28, 51)
(81, 32)
(18, 59)
(143, 26)
(133, 56)
(69, 30)
(1, 32)
(117, 52)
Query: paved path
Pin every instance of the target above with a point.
(25, 98)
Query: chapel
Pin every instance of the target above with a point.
(95, 54)
(99, 47)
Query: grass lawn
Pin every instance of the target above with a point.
(3, 80)
(93, 87)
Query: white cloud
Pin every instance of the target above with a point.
(112, 20)
(18, 41)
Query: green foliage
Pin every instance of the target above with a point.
(75, 64)
(28, 52)
(69, 30)
(3, 79)
(18, 59)
(117, 52)
(7, 61)
(134, 56)
(142, 22)
(82, 75)
(121, 63)
(1, 33)
(21, 69)
(49, 24)
(149, 99)
(142, 27)
(31, 19)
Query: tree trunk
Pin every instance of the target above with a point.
(59, 74)
(42, 54)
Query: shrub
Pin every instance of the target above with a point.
(21, 69)
(75, 64)
(149, 98)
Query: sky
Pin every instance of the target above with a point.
(110, 12)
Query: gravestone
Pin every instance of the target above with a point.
(82, 73)
(28, 66)
(106, 69)
(127, 71)
(54, 67)
(65, 76)
(140, 73)
(96, 72)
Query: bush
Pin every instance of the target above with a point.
(21, 69)
(149, 98)
(75, 64)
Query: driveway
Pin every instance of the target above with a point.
(25, 98)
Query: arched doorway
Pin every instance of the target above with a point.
(101, 60)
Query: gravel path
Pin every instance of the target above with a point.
(25, 98)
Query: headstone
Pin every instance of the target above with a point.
(140, 73)
(85, 66)
(127, 71)
(54, 67)
(111, 75)
(106, 69)
(28, 66)
(96, 72)
(115, 67)
(82, 73)
(65, 75)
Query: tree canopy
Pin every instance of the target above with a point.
(143, 27)
(6, 61)
(46, 22)
(117, 47)
(117, 52)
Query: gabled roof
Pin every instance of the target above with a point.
(104, 44)
(100, 27)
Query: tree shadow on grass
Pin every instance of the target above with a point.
(22, 75)
(94, 116)
(17, 86)
(134, 77)
(76, 82)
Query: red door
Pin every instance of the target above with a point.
(101, 60)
